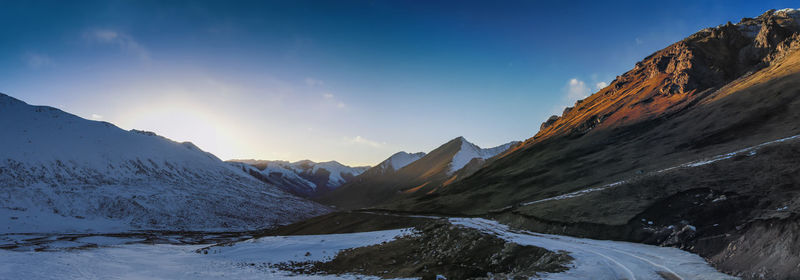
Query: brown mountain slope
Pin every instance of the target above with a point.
(375, 188)
(716, 91)
(673, 78)
(426, 176)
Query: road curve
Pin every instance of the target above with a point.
(604, 259)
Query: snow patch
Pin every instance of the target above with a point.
(400, 160)
(337, 170)
(469, 151)
(277, 249)
(749, 30)
(240, 261)
(299, 172)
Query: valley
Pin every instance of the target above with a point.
(686, 166)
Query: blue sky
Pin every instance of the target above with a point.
(353, 81)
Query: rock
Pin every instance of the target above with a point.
(552, 119)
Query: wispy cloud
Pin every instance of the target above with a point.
(124, 41)
(576, 90)
(366, 142)
(600, 85)
(37, 60)
(331, 99)
(96, 117)
(313, 82)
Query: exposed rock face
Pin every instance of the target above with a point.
(679, 75)
(552, 119)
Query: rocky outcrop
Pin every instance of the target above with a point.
(552, 119)
(440, 248)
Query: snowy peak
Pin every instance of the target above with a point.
(399, 160)
(305, 177)
(469, 151)
(419, 174)
(338, 172)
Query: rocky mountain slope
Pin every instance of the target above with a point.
(304, 178)
(62, 173)
(453, 161)
(631, 161)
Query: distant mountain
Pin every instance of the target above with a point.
(469, 152)
(62, 173)
(305, 178)
(419, 174)
(395, 162)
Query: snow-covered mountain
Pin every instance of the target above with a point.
(419, 174)
(305, 177)
(471, 151)
(60, 172)
(399, 160)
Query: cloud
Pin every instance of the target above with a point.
(125, 42)
(313, 82)
(331, 100)
(576, 90)
(36, 60)
(600, 85)
(364, 141)
(96, 117)
(638, 41)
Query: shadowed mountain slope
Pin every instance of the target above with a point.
(427, 175)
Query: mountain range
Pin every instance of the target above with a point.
(427, 174)
(304, 178)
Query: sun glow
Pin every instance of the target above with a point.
(184, 120)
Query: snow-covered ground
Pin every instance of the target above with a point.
(244, 260)
(603, 259)
(61, 173)
(251, 259)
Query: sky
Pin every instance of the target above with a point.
(351, 81)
